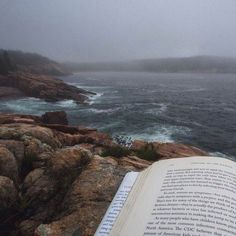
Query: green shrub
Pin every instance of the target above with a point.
(116, 151)
(147, 154)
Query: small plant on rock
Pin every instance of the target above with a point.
(148, 153)
(116, 151)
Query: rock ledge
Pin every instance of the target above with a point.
(53, 178)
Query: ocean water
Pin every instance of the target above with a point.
(196, 109)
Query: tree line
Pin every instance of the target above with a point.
(6, 63)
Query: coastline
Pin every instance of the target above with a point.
(20, 84)
(53, 172)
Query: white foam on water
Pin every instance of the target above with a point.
(100, 111)
(87, 87)
(161, 134)
(91, 100)
(67, 103)
(157, 111)
(162, 137)
(194, 90)
(24, 105)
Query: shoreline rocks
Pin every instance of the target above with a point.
(54, 178)
(39, 86)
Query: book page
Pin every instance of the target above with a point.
(183, 197)
(116, 204)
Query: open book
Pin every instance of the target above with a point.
(191, 196)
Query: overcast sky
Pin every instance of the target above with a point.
(104, 30)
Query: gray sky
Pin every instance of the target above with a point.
(103, 30)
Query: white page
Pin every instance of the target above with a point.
(183, 197)
(116, 204)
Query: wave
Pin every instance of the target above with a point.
(100, 111)
(87, 87)
(157, 110)
(195, 90)
(162, 134)
(24, 105)
(91, 100)
(67, 104)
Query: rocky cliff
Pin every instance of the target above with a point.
(33, 63)
(39, 86)
(57, 179)
(28, 74)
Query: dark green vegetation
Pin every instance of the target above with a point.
(116, 151)
(28, 62)
(196, 64)
(6, 63)
(147, 152)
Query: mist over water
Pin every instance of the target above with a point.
(197, 109)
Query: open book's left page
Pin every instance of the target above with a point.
(116, 204)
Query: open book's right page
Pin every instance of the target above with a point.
(183, 197)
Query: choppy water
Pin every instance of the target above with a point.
(197, 109)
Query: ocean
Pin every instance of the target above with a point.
(195, 109)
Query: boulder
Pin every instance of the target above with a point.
(38, 187)
(67, 160)
(8, 193)
(88, 198)
(44, 188)
(56, 117)
(138, 145)
(166, 150)
(174, 150)
(64, 187)
(8, 164)
(24, 132)
(16, 148)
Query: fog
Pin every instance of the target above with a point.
(116, 30)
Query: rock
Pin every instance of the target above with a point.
(8, 193)
(68, 160)
(174, 150)
(64, 188)
(23, 132)
(93, 137)
(95, 149)
(27, 227)
(70, 140)
(167, 150)
(44, 188)
(30, 62)
(38, 187)
(9, 92)
(44, 87)
(57, 117)
(34, 148)
(98, 138)
(16, 118)
(16, 148)
(8, 164)
(64, 128)
(88, 198)
(134, 162)
(138, 145)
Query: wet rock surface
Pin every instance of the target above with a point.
(39, 86)
(55, 179)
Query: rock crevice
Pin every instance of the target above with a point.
(55, 179)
